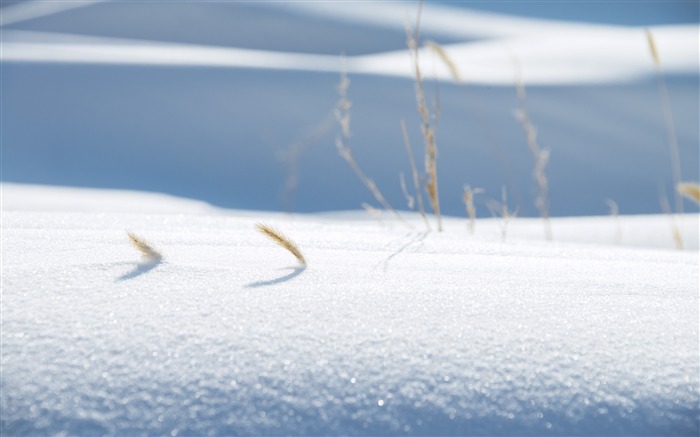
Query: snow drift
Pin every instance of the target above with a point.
(388, 330)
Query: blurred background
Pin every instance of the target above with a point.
(234, 103)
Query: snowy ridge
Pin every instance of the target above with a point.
(571, 56)
(388, 331)
(551, 52)
(647, 231)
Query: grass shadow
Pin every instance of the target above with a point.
(139, 269)
(296, 271)
(418, 238)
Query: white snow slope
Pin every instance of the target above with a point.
(389, 330)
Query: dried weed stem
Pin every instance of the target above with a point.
(374, 212)
(291, 156)
(540, 156)
(501, 209)
(427, 126)
(675, 230)
(668, 117)
(342, 115)
(468, 199)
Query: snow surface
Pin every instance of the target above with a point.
(389, 330)
(549, 52)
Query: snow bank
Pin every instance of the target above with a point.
(573, 55)
(26, 197)
(388, 331)
(551, 52)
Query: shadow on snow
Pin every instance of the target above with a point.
(288, 277)
(139, 269)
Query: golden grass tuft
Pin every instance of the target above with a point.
(691, 190)
(147, 251)
(282, 240)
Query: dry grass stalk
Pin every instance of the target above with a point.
(670, 124)
(677, 237)
(374, 212)
(501, 209)
(342, 114)
(147, 251)
(291, 156)
(452, 66)
(427, 126)
(691, 190)
(282, 240)
(615, 212)
(539, 155)
(446, 59)
(652, 48)
(410, 200)
(675, 231)
(414, 172)
(468, 199)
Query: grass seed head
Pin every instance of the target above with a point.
(147, 251)
(282, 240)
(691, 190)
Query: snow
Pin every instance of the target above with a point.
(587, 55)
(118, 118)
(388, 330)
(41, 47)
(569, 55)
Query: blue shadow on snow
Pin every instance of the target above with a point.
(288, 277)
